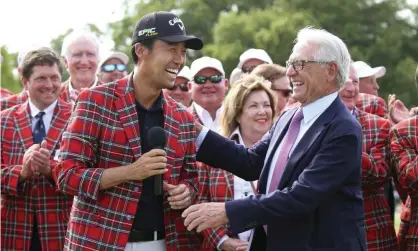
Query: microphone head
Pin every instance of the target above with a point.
(156, 137)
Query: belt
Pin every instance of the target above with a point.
(139, 235)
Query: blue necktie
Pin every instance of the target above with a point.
(39, 130)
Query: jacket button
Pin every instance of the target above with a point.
(128, 217)
(136, 189)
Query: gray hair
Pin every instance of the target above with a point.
(331, 49)
(75, 36)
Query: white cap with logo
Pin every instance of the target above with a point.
(114, 54)
(364, 70)
(206, 62)
(254, 54)
(185, 73)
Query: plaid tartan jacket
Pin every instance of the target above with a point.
(65, 91)
(4, 93)
(13, 100)
(37, 195)
(104, 133)
(372, 104)
(404, 146)
(380, 231)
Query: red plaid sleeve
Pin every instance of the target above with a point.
(375, 170)
(404, 145)
(74, 173)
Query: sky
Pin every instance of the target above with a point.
(36, 22)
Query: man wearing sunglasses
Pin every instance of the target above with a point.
(251, 58)
(208, 86)
(113, 67)
(180, 90)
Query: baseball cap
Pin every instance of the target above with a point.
(254, 54)
(364, 70)
(206, 62)
(115, 54)
(185, 73)
(164, 26)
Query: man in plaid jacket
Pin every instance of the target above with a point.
(372, 104)
(34, 214)
(108, 164)
(380, 231)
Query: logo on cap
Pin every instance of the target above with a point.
(177, 21)
(147, 32)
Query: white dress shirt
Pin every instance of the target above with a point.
(311, 112)
(73, 92)
(47, 118)
(206, 118)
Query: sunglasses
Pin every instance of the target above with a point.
(113, 67)
(183, 87)
(215, 79)
(286, 93)
(248, 69)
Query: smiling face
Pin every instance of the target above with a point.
(43, 85)
(209, 95)
(180, 94)
(256, 116)
(349, 94)
(110, 76)
(311, 80)
(162, 63)
(81, 62)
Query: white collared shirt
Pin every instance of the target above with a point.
(206, 118)
(71, 89)
(311, 112)
(47, 118)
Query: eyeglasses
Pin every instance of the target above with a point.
(215, 79)
(183, 87)
(248, 69)
(113, 67)
(286, 93)
(298, 65)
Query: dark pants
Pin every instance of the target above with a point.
(35, 243)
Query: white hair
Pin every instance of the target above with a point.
(331, 49)
(75, 36)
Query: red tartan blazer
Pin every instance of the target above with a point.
(104, 133)
(404, 146)
(380, 231)
(372, 104)
(65, 91)
(13, 100)
(37, 194)
(4, 93)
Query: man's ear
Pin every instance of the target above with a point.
(65, 62)
(332, 71)
(24, 82)
(140, 51)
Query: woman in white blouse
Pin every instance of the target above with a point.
(247, 115)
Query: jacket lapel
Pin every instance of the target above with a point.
(24, 125)
(307, 140)
(275, 140)
(172, 130)
(125, 107)
(62, 113)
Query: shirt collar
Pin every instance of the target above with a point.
(317, 107)
(200, 110)
(157, 106)
(236, 134)
(71, 88)
(34, 110)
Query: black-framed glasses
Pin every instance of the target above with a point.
(214, 79)
(299, 65)
(286, 93)
(113, 67)
(183, 87)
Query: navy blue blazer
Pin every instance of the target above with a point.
(318, 203)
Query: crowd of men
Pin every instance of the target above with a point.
(78, 166)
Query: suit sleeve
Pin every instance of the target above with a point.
(225, 154)
(405, 157)
(338, 158)
(10, 184)
(375, 169)
(76, 173)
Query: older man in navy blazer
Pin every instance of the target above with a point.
(309, 165)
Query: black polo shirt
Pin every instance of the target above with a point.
(149, 215)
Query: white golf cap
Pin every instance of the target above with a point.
(364, 70)
(254, 54)
(114, 54)
(185, 73)
(206, 62)
(236, 74)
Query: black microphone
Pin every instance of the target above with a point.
(156, 140)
